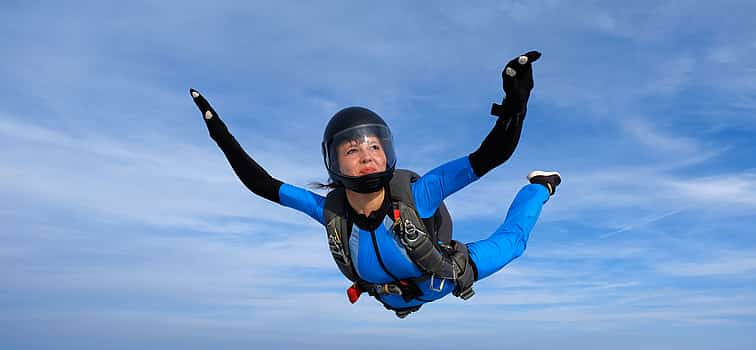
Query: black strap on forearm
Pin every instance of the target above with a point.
(498, 146)
(507, 110)
(251, 174)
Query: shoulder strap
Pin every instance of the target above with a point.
(338, 230)
(400, 185)
(440, 224)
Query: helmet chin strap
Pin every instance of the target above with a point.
(366, 183)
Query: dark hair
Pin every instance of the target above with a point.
(330, 185)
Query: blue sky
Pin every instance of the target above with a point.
(123, 226)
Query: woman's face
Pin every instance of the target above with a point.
(362, 157)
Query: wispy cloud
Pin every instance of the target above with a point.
(176, 184)
(723, 263)
(730, 190)
(643, 221)
(656, 139)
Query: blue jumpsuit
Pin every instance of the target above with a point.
(369, 248)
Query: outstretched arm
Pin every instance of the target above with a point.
(496, 148)
(251, 174)
(501, 142)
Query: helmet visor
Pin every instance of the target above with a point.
(360, 150)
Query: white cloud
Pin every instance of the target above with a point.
(167, 184)
(661, 142)
(729, 190)
(724, 263)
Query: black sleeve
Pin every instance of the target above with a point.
(249, 172)
(498, 146)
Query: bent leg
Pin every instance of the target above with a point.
(510, 239)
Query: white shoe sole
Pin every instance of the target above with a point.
(535, 173)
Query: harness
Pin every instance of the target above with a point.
(427, 241)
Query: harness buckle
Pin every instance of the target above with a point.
(440, 287)
(386, 288)
(390, 288)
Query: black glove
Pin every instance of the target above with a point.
(207, 111)
(218, 130)
(517, 79)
